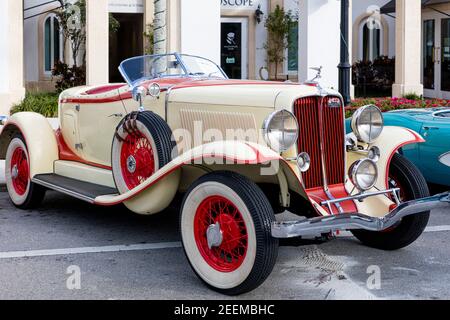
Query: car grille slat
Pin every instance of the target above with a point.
(334, 143)
(308, 110)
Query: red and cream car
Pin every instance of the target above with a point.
(241, 153)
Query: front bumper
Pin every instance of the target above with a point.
(341, 222)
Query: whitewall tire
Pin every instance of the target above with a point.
(225, 226)
(22, 192)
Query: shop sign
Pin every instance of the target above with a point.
(240, 4)
(126, 6)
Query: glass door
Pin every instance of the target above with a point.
(431, 56)
(445, 58)
(429, 61)
(234, 47)
(436, 56)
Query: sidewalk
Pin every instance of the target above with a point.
(54, 122)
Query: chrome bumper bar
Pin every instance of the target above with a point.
(341, 222)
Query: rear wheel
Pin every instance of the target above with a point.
(23, 193)
(225, 224)
(405, 176)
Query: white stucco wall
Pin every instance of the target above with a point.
(200, 34)
(260, 40)
(359, 8)
(31, 28)
(319, 40)
(4, 82)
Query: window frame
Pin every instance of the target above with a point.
(371, 36)
(52, 18)
(286, 64)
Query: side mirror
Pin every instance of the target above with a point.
(139, 94)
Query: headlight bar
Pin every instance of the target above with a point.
(394, 192)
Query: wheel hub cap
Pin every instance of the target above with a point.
(15, 172)
(131, 164)
(214, 235)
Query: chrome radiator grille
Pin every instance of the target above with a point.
(314, 113)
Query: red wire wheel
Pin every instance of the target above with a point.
(137, 160)
(230, 254)
(20, 171)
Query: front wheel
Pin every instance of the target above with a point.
(403, 175)
(225, 224)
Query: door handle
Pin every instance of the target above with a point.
(438, 55)
(430, 128)
(116, 115)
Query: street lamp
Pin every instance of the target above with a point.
(344, 65)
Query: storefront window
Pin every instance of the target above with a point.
(52, 43)
(293, 49)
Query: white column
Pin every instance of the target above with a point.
(200, 33)
(12, 88)
(408, 31)
(97, 42)
(319, 40)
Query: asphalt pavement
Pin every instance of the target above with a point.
(72, 250)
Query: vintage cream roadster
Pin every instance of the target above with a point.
(256, 162)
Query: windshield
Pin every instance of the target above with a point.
(138, 69)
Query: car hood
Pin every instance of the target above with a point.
(237, 92)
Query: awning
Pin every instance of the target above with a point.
(390, 6)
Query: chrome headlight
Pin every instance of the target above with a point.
(364, 174)
(280, 130)
(368, 123)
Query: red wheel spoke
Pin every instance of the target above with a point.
(230, 254)
(19, 171)
(137, 149)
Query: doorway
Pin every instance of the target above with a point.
(436, 56)
(234, 47)
(127, 42)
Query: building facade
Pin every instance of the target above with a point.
(43, 43)
(231, 33)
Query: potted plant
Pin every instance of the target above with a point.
(278, 25)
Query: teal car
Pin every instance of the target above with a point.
(433, 156)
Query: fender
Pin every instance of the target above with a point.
(39, 137)
(390, 141)
(164, 184)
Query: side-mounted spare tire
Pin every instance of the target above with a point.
(142, 145)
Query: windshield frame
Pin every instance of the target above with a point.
(179, 58)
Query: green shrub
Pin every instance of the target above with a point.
(412, 96)
(43, 103)
(68, 77)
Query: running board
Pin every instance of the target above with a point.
(78, 189)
